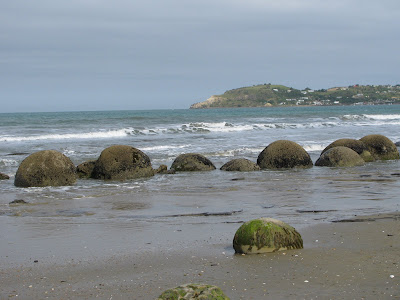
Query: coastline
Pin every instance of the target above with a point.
(356, 259)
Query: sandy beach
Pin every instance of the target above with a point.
(357, 259)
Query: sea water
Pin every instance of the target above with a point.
(98, 217)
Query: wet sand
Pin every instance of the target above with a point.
(344, 260)
(358, 259)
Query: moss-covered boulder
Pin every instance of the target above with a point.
(194, 291)
(192, 162)
(241, 165)
(339, 157)
(45, 168)
(4, 176)
(284, 154)
(266, 235)
(356, 145)
(120, 162)
(381, 147)
(85, 169)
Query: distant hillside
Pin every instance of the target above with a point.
(279, 95)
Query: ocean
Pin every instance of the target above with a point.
(99, 218)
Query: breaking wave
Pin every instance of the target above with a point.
(217, 127)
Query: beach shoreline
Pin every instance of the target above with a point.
(355, 259)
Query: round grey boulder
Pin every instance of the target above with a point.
(266, 235)
(381, 147)
(283, 154)
(240, 165)
(356, 145)
(120, 162)
(339, 157)
(45, 168)
(85, 169)
(194, 291)
(192, 162)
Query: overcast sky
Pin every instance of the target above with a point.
(127, 54)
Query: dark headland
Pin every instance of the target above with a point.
(265, 95)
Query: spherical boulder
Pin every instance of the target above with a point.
(194, 291)
(4, 176)
(241, 165)
(356, 145)
(381, 147)
(192, 162)
(120, 162)
(339, 157)
(266, 235)
(284, 154)
(45, 168)
(85, 169)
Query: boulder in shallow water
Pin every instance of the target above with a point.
(381, 147)
(283, 154)
(356, 145)
(45, 168)
(4, 176)
(194, 291)
(339, 157)
(192, 162)
(85, 169)
(266, 235)
(120, 162)
(241, 165)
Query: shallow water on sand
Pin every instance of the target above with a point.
(184, 210)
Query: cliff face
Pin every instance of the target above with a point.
(274, 95)
(210, 102)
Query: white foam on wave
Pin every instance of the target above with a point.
(218, 127)
(383, 117)
(8, 162)
(314, 147)
(87, 135)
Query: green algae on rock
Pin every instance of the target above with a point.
(381, 147)
(192, 162)
(120, 162)
(266, 235)
(45, 168)
(358, 146)
(240, 165)
(194, 291)
(283, 154)
(339, 157)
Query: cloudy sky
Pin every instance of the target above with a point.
(126, 54)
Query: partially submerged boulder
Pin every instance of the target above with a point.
(283, 154)
(120, 162)
(194, 291)
(85, 169)
(45, 168)
(4, 176)
(241, 165)
(339, 157)
(381, 147)
(192, 162)
(266, 235)
(356, 145)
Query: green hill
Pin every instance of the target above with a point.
(279, 95)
